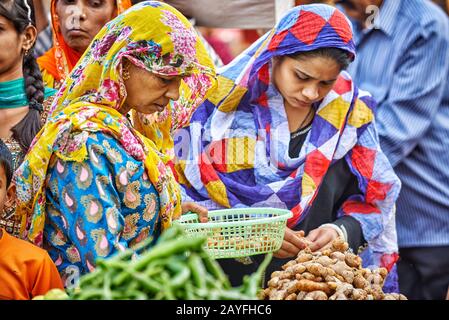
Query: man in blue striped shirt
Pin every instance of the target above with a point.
(403, 60)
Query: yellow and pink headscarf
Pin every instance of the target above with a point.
(153, 36)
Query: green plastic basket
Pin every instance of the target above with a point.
(236, 233)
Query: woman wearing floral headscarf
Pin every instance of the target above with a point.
(74, 25)
(92, 185)
(288, 128)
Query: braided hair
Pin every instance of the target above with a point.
(6, 162)
(21, 14)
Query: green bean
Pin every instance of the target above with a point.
(121, 256)
(167, 249)
(198, 271)
(121, 278)
(124, 276)
(90, 277)
(214, 268)
(89, 294)
(180, 278)
(201, 292)
(129, 287)
(167, 286)
(152, 272)
(253, 282)
(171, 233)
(189, 290)
(160, 295)
(176, 264)
(107, 293)
(177, 267)
(137, 295)
(213, 283)
(149, 284)
(233, 295)
(120, 265)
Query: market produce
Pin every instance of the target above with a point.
(240, 243)
(177, 267)
(333, 274)
(53, 294)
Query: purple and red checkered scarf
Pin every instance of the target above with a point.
(235, 152)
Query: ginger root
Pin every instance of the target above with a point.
(309, 286)
(278, 294)
(316, 295)
(291, 296)
(333, 274)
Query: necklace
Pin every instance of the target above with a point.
(301, 132)
(304, 121)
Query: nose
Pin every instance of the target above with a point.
(83, 14)
(173, 90)
(310, 92)
(78, 13)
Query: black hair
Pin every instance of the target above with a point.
(340, 56)
(16, 11)
(6, 162)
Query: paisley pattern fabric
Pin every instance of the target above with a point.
(98, 207)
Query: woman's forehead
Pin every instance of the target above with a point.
(317, 67)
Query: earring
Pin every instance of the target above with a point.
(125, 72)
(8, 212)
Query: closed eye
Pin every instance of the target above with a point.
(165, 81)
(301, 76)
(328, 83)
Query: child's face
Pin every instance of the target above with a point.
(3, 188)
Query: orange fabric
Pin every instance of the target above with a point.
(60, 59)
(26, 270)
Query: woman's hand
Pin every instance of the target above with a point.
(292, 244)
(321, 238)
(195, 208)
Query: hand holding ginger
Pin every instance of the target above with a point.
(291, 245)
(321, 238)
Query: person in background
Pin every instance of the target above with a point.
(44, 36)
(23, 99)
(403, 61)
(219, 47)
(26, 271)
(74, 24)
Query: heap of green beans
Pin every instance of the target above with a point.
(177, 267)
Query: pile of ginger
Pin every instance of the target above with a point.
(333, 274)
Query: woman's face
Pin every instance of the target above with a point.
(148, 92)
(304, 81)
(13, 46)
(81, 20)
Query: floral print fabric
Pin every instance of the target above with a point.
(90, 97)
